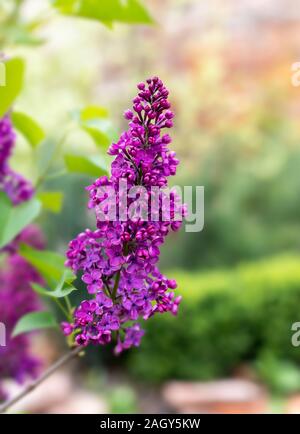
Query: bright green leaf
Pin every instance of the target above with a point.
(49, 264)
(93, 120)
(14, 75)
(65, 6)
(99, 137)
(51, 200)
(15, 218)
(30, 129)
(34, 321)
(105, 126)
(106, 11)
(133, 12)
(91, 166)
(63, 287)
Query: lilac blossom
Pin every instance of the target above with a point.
(13, 184)
(17, 299)
(118, 260)
(7, 140)
(16, 275)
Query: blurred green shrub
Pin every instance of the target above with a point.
(122, 400)
(282, 377)
(17, 30)
(226, 318)
(251, 202)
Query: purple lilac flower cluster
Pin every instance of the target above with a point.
(12, 183)
(118, 260)
(16, 275)
(17, 299)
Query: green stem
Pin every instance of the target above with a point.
(69, 306)
(116, 285)
(65, 312)
(107, 289)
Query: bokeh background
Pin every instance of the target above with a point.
(228, 66)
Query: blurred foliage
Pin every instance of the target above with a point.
(17, 30)
(251, 204)
(226, 318)
(30, 129)
(106, 11)
(51, 200)
(282, 377)
(122, 400)
(14, 75)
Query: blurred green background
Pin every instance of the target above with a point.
(227, 65)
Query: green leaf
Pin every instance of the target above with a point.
(14, 75)
(49, 264)
(133, 12)
(99, 137)
(92, 166)
(105, 126)
(34, 321)
(58, 293)
(15, 218)
(51, 200)
(62, 289)
(106, 11)
(93, 120)
(30, 129)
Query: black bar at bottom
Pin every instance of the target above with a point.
(143, 423)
